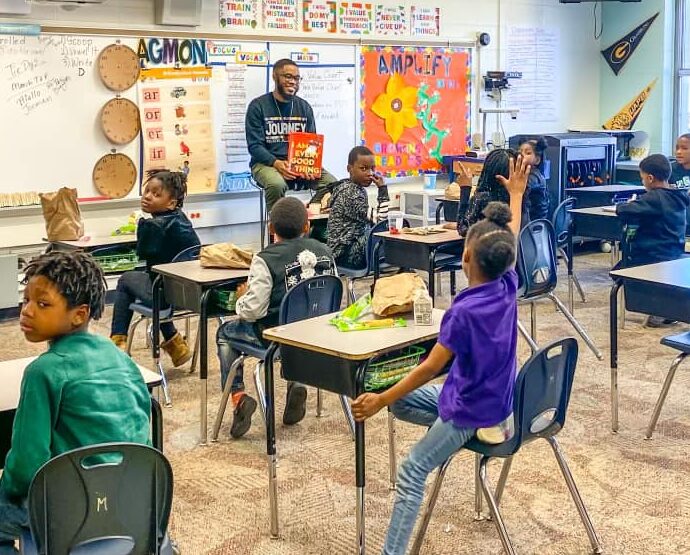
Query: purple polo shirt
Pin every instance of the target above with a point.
(480, 328)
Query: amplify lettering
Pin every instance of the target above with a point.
(419, 64)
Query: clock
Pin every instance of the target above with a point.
(120, 121)
(114, 175)
(118, 66)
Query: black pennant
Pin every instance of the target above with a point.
(619, 52)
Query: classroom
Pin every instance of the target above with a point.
(330, 276)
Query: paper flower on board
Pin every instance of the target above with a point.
(396, 107)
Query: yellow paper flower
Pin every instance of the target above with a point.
(397, 107)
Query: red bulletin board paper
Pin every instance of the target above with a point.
(305, 154)
(415, 106)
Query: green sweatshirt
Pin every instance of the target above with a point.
(82, 391)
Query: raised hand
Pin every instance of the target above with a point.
(516, 183)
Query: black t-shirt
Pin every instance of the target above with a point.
(680, 177)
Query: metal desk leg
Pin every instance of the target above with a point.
(432, 285)
(156, 424)
(613, 335)
(271, 440)
(155, 332)
(203, 366)
(359, 464)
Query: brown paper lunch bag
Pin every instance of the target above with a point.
(62, 215)
(395, 294)
(225, 255)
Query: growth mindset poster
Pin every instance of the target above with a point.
(319, 16)
(391, 20)
(239, 14)
(356, 18)
(280, 15)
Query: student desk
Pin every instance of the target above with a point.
(93, 243)
(11, 374)
(316, 354)
(603, 195)
(661, 289)
(417, 251)
(598, 223)
(187, 287)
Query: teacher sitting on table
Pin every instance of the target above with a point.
(270, 118)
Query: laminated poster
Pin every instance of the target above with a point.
(239, 14)
(319, 16)
(280, 15)
(425, 21)
(356, 18)
(391, 20)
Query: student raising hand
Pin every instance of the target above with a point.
(517, 177)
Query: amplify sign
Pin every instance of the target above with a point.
(619, 53)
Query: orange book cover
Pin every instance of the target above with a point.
(305, 154)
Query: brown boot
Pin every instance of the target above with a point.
(120, 341)
(177, 349)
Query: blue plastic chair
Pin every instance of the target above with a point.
(537, 273)
(540, 404)
(107, 499)
(310, 298)
(562, 222)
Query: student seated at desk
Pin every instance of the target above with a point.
(82, 391)
(350, 217)
(277, 268)
(480, 331)
(159, 240)
(680, 172)
(660, 217)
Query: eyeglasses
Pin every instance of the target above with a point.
(290, 77)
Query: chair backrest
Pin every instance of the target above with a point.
(108, 498)
(372, 240)
(190, 253)
(450, 210)
(542, 393)
(314, 296)
(562, 221)
(536, 259)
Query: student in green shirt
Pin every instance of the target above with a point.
(82, 391)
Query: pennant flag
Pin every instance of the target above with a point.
(619, 52)
(627, 116)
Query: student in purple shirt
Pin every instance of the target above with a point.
(480, 331)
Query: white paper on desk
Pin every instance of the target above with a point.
(609, 209)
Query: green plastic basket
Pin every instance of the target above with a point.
(391, 369)
(113, 263)
(225, 300)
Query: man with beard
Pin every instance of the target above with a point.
(270, 118)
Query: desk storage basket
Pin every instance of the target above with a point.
(116, 263)
(225, 300)
(392, 368)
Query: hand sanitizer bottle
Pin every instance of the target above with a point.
(423, 308)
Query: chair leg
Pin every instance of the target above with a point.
(392, 452)
(580, 291)
(164, 383)
(564, 256)
(226, 395)
(187, 329)
(319, 403)
(533, 320)
(581, 509)
(431, 503)
(149, 335)
(452, 284)
(578, 328)
(493, 507)
(527, 337)
(258, 370)
(130, 333)
(351, 289)
(347, 411)
(503, 478)
(195, 353)
(477, 489)
(664, 392)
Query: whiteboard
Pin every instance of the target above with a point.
(50, 102)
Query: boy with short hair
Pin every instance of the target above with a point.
(82, 391)
(279, 267)
(350, 217)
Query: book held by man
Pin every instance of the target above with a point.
(305, 154)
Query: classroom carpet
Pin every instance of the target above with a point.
(637, 491)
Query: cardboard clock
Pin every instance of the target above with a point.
(114, 175)
(120, 121)
(118, 66)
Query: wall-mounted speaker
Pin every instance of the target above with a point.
(178, 12)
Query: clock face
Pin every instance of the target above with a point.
(120, 121)
(118, 66)
(114, 175)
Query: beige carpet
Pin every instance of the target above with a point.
(637, 491)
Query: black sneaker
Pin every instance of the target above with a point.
(295, 404)
(658, 322)
(242, 416)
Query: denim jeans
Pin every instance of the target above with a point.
(441, 441)
(134, 286)
(13, 520)
(237, 330)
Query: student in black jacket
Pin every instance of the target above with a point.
(270, 118)
(660, 217)
(159, 239)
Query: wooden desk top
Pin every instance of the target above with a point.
(675, 273)
(12, 372)
(615, 188)
(315, 217)
(316, 334)
(191, 270)
(449, 236)
(594, 211)
(87, 241)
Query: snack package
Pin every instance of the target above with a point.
(351, 319)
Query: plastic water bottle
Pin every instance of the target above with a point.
(423, 308)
